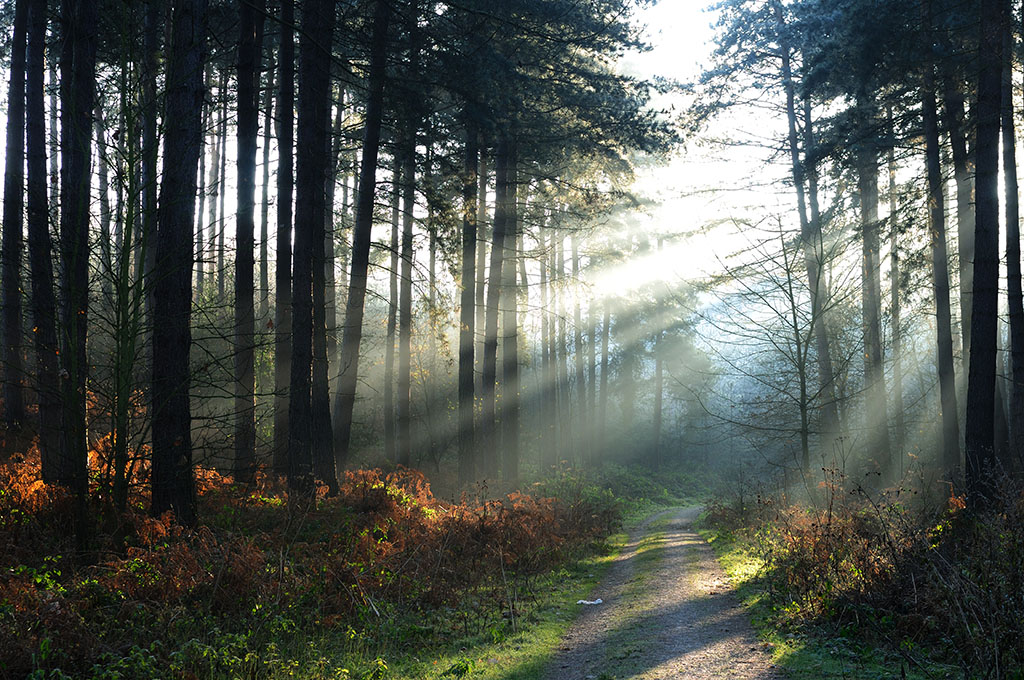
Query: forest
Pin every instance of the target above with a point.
(511, 339)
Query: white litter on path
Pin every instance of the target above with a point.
(597, 601)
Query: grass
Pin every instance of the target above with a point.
(810, 652)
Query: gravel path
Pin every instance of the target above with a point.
(676, 619)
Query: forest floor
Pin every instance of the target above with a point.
(668, 611)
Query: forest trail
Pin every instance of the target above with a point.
(668, 612)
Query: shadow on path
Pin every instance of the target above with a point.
(667, 613)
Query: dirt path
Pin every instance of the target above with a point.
(667, 615)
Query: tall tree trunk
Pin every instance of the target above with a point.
(578, 352)
(548, 447)
(953, 106)
(249, 49)
(603, 412)
(1015, 297)
(980, 432)
(14, 197)
(78, 86)
(389, 348)
(201, 191)
(811, 240)
(54, 132)
(488, 421)
(510, 398)
(268, 113)
(592, 384)
(173, 487)
(895, 303)
(103, 188)
(566, 441)
(305, 418)
(481, 260)
(223, 185)
(334, 144)
(403, 436)
(874, 376)
(353, 331)
(214, 187)
(283, 269)
(40, 250)
(467, 339)
(940, 272)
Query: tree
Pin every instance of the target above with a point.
(980, 428)
(172, 481)
(467, 438)
(249, 49)
(304, 441)
(78, 85)
(14, 188)
(353, 329)
(40, 250)
(283, 463)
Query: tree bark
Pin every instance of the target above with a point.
(488, 421)
(222, 184)
(578, 352)
(283, 270)
(467, 333)
(389, 348)
(353, 330)
(895, 302)
(249, 49)
(1015, 297)
(874, 375)
(481, 260)
(980, 429)
(510, 398)
(40, 250)
(173, 487)
(13, 216)
(78, 86)
(940, 272)
(309, 435)
(268, 113)
(403, 435)
(811, 239)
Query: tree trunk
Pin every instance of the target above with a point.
(268, 112)
(467, 339)
(334, 143)
(874, 376)
(214, 186)
(403, 436)
(940, 272)
(895, 304)
(283, 270)
(201, 191)
(548, 447)
(14, 197)
(250, 20)
(78, 86)
(488, 422)
(481, 260)
(306, 442)
(389, 348)
(353, 331)
(40, 250)
(578, 352)
(811, 240)
(980, 432)
(173, 487)
(106, 214)
(603, 412)
(1015, 297)
(954, 116)
(510, 395)
(223, 182)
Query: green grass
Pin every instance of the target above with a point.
(810, 652)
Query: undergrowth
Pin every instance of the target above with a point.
(881, 581)
(380, 578)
